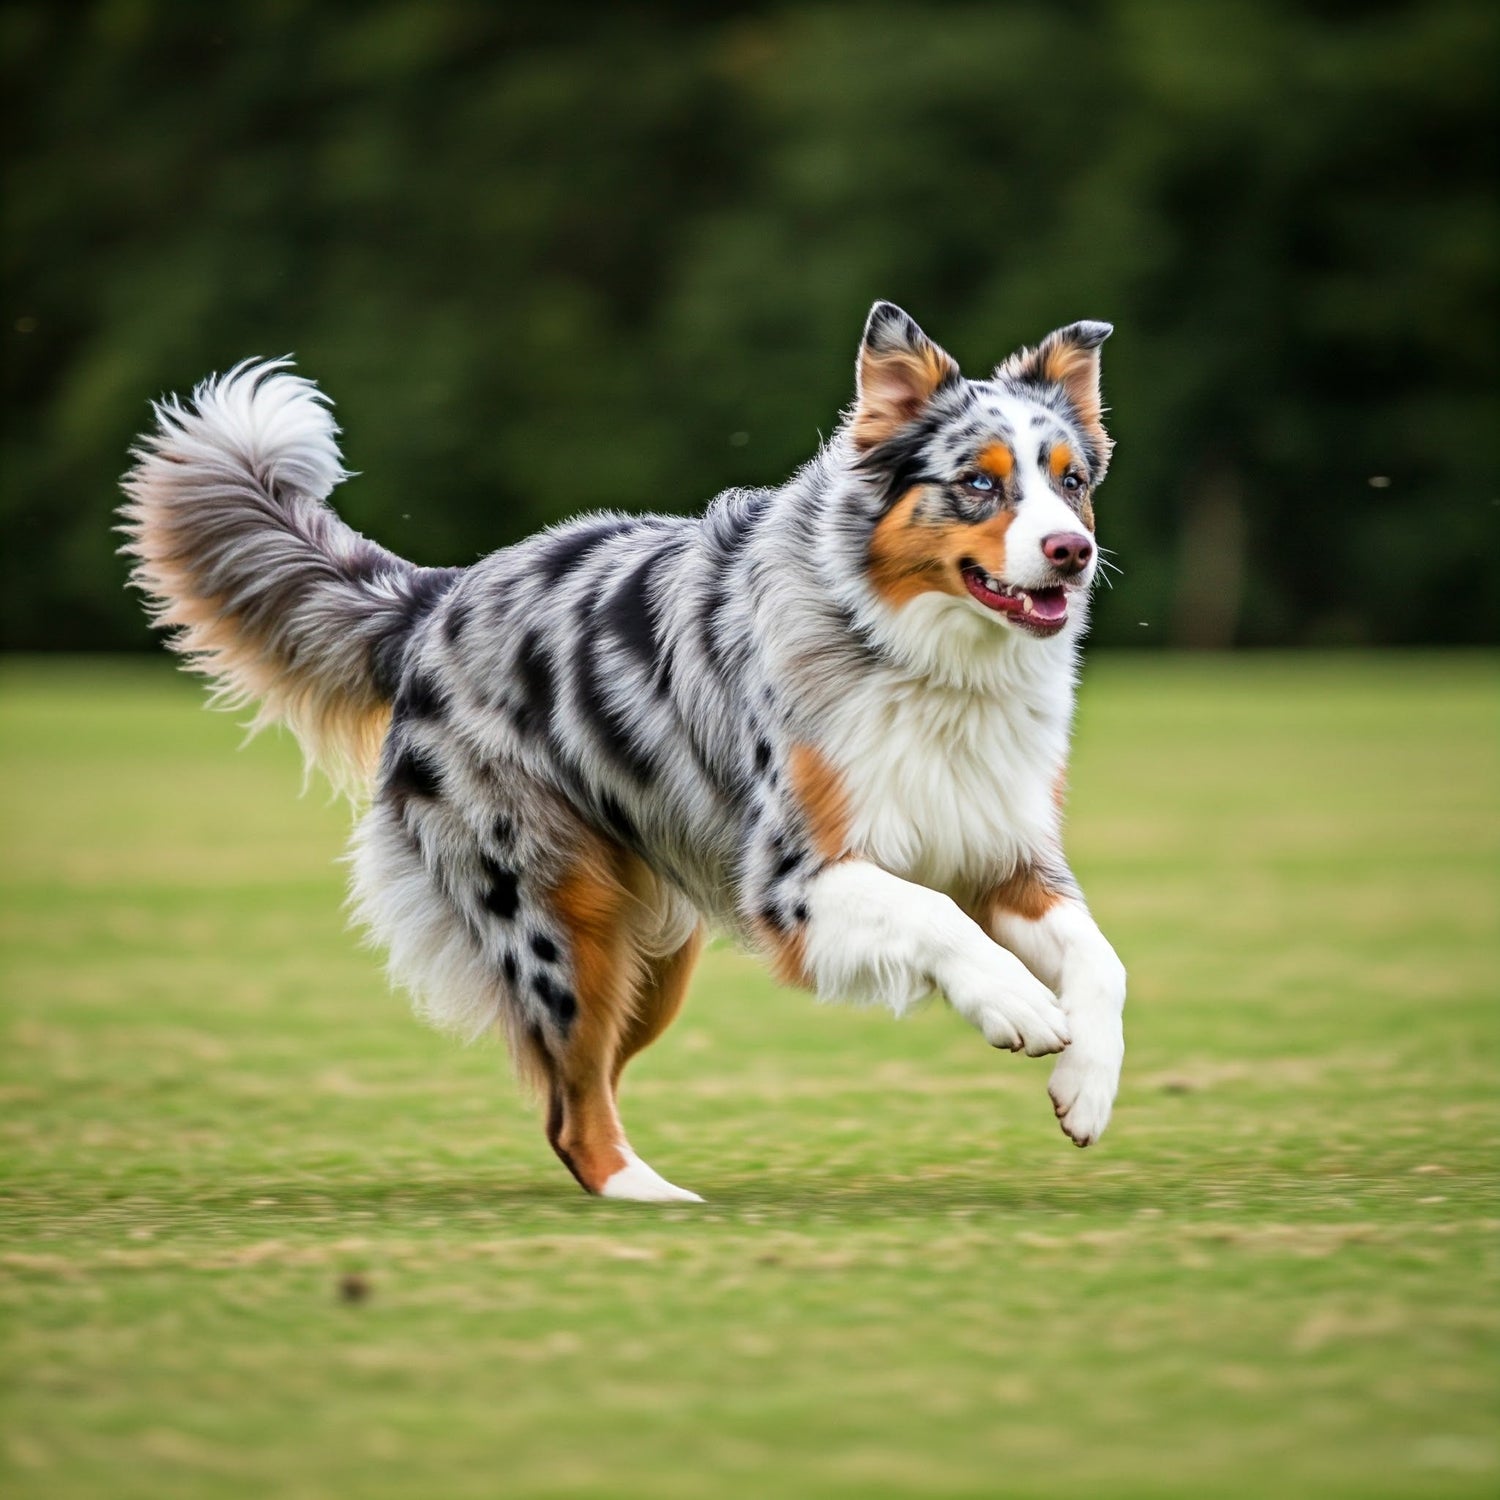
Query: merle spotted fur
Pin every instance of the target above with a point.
(633, 678)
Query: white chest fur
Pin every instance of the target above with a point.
(947, 786)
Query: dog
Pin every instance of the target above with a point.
(831, 718)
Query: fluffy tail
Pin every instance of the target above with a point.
(266, 591)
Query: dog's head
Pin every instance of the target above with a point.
(982, 490)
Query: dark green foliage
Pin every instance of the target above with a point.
(545, 264)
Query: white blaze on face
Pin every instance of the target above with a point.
(1042, 512)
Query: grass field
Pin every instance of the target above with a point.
(1277, 1275)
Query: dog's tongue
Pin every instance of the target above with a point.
(1048, 604)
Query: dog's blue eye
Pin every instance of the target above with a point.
(981, 482)
(1072, 482)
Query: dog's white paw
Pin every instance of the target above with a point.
(1083, 1088)
(643, 1184)
(1011, 1009)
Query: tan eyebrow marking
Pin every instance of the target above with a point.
(1060, 461)
(997, 460)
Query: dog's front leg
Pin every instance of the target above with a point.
(867, 934)
(1045, 923)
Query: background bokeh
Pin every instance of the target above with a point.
(547, 259)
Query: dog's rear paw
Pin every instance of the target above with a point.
(643, 1184)
(1083, 1089)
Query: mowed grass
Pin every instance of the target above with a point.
(1276, 1275)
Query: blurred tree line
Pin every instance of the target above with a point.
(550, 258)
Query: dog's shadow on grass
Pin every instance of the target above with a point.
(476, 1202)
(870, 1198)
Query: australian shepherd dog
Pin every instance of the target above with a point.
(830, 718)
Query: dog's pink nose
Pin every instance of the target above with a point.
(1068, 551)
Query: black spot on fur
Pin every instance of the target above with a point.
(902, 462)
(534, 668)
(559, 554)
(609, 721)
(427, 589)
(502, 830)
(419, 698)
(762, 757)
(727, 530)
(663, 677)
(786, 864)
(629, 612)
(414, 774)
(618, 821)
(502, 895)
(422, 590)
(544, 948)
(713, 602)
(773, 919)
(557, 998)
(455, 620)
(800, 912)
(508, 966)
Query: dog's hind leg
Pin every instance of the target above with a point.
(659, 999)
(625, 999)
(502, 908)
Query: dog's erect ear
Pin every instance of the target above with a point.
(899, 370)
(1069, 360)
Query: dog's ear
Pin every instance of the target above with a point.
(1069, 361)
(899, 370)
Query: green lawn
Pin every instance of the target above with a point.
(1277, 1275)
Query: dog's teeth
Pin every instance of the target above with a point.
(1027, 605)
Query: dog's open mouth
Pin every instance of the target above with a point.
(1042, 611)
